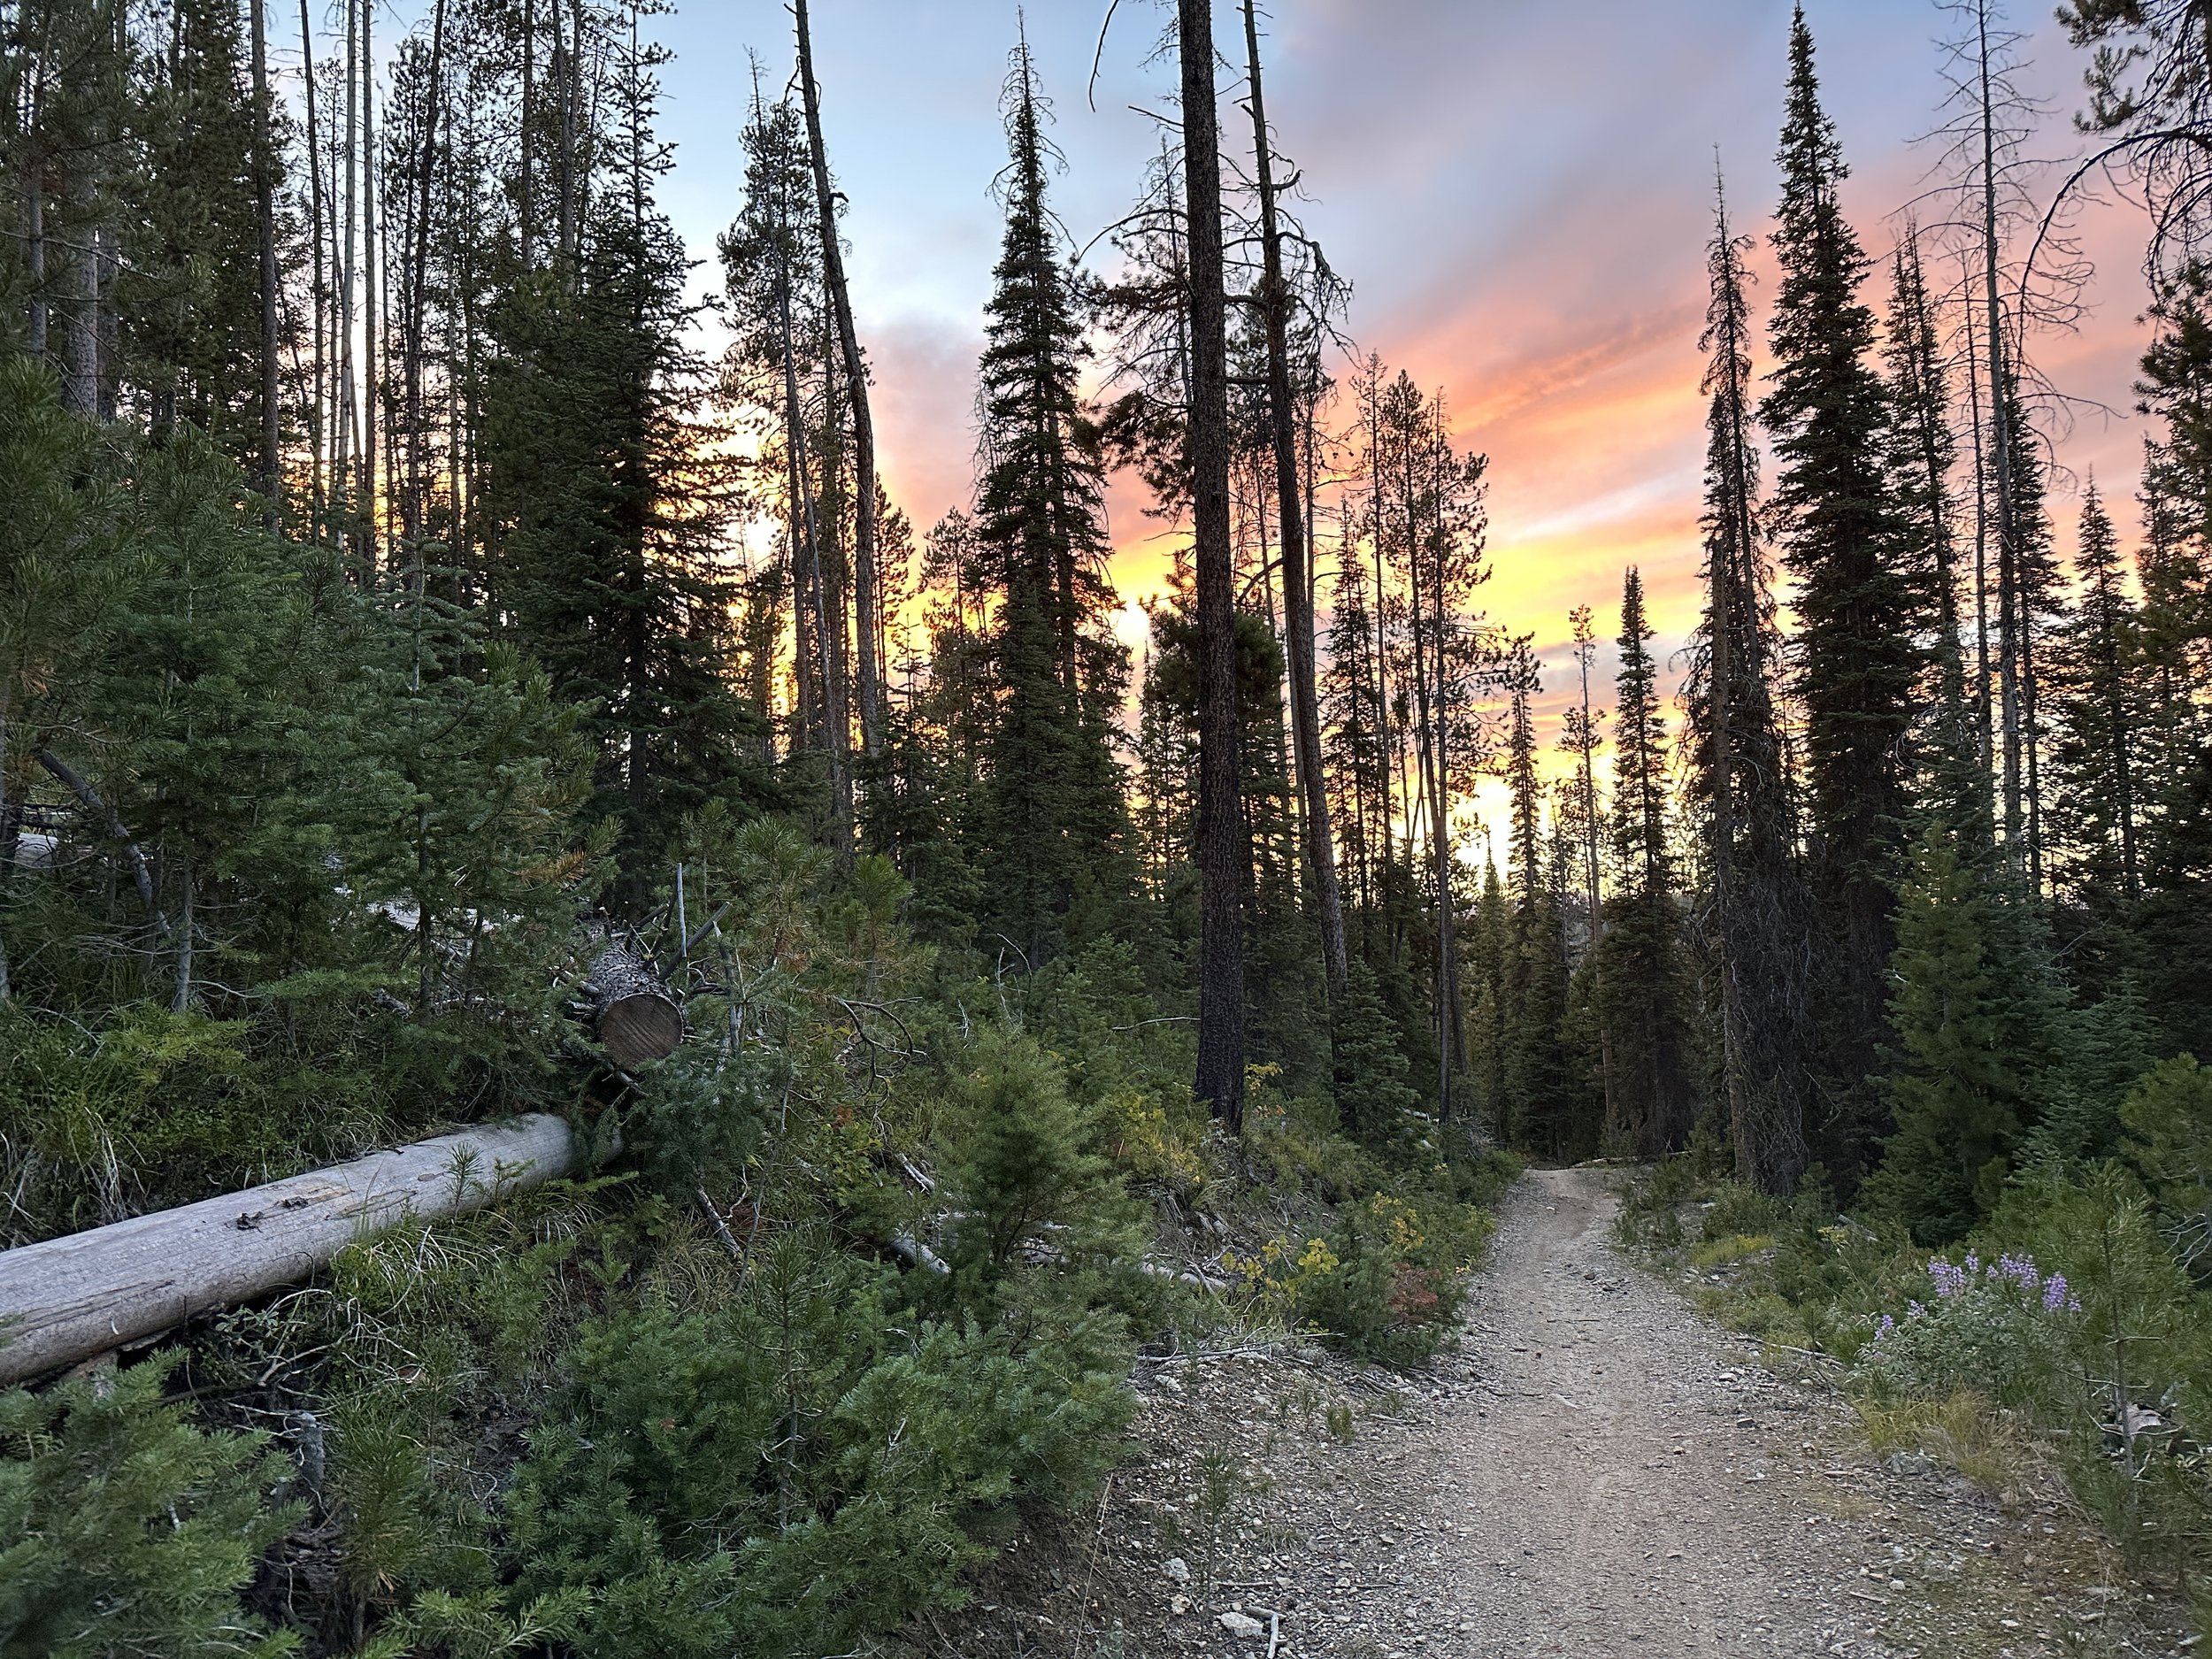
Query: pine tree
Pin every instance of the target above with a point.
(1858, 656)
(2175, 639)
(2097, 716)
(1640, 1002)
(1537, 1085)
(1051, 847)
(601, 497)
(1955, 1091)
(1755, 921)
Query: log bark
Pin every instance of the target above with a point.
(632, 1012)
(69, 1299)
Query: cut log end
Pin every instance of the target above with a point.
(636, 1029)
(633, 1014)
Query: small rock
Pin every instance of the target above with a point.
(1910, 1463)
(1242, 1625)
(1178, 1568)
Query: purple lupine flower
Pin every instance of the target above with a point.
(1950, 1280)
(2021, 1271)
(1885, 1328)
(1973, 1264)
(1914, 1310)
(2054, 1293)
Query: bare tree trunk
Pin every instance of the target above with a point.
(345, 441)
(80, 384)
(2002, 399)
(794, 441)
(320, 298)
(371, 270)
(526, 184)
(1305, 708)
(417, 288)
(1223, 851)
(35, 201)
(865, 580)
(264, 226)
(1983, 704)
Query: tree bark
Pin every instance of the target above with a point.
(264, 226)
(71, 1299)
(372, 392)
(1223, 851)
(318, 299)
(856, 391)
(1305, 708)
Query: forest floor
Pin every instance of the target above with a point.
(1599, 1470)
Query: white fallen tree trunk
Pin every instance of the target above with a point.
(66, 1300)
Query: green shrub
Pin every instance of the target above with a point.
(800, 1468)
(125, 1530)
(1375, 1286)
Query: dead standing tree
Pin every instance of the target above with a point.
(864, 578)
(1275, 299)
(1224, 849)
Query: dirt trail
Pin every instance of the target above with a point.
(1625, 1482)
(1600, 1472)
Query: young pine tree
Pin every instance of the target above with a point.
(1644, 975)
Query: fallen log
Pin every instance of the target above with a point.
(69, 1299)
(632, 1012)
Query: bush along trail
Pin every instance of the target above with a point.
(1599, 1468)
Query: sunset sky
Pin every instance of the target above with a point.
(1521, 196)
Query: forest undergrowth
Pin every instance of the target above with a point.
(2066, 1339)
(859, 1288)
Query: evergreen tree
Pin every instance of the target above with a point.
(1052, 841)
(1644, 976)
(1755, 921)
(2175, 642)
(1957, 1080)
(1538, 1086)
(604, 509)
(2097, 717)
(1858, 656)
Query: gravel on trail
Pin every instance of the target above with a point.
(1599, 1471)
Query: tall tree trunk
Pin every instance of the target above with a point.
(1984, 706)
(2002, 397)
(318, 298)
(1305, 707)
(417, 285)
(80, 383)
(1224, 853)
(371, 270)
(346, 238)
(827, 628)
(526, 183)
(865, 580)
(265, 226)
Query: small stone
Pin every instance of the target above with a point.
(1910, 1463)
(1178, 1568)
(1178, 1605)
(1242, 1625)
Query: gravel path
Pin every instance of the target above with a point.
(1622, 1487)
(1599, 1472)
